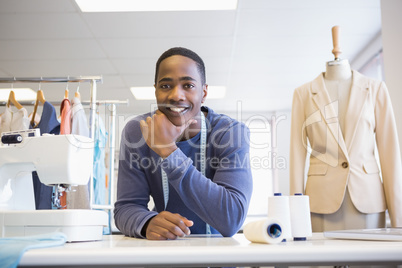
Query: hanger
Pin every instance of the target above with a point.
(13, 100)
(39, 98)
(77, 93)
(66, 91)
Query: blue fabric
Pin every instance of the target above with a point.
(48, 121)
(48, 124)
(12, 248)
(220, 198)
(99, 170)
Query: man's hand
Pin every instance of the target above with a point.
(167, 225)
(160, 134)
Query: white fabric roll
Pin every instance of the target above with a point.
(278, 208)
(264, 231)
(300, 216)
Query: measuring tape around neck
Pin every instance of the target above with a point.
(165, 182)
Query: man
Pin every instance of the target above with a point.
(192, 161)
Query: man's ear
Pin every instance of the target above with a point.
(204, 92)
(155, 90)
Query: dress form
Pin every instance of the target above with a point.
(338, 69)
(338, 83)
(338, 79)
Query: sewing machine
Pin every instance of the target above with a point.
(60, 161)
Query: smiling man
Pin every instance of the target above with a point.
(193, 162)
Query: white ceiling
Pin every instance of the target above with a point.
(261, 51)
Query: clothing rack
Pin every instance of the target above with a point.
(81, 79)
(93, 103)
(84, 103)
(57, 103)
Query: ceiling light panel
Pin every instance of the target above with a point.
(154, 5)
(21, 94)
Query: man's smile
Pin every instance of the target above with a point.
(177, 110)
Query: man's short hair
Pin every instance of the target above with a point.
(185, 53)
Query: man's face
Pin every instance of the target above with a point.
(179, 91)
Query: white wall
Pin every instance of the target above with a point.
(283, 142)
(392, 48)
(281, 162)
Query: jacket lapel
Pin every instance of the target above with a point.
(357, 98)
(329, 110)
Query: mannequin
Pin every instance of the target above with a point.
(338, 83)
(338, 70)
(341, 117)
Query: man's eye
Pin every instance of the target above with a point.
(189, 86)
(165, 86)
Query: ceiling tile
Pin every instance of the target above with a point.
(134, 66)
(161, 24)
(57, 68)
(283, 46)
(43, 26)
(298, 22)
(4, 73)
(37, 6)
(153, 47)
(112, 81)
(217, 78)
(304, 46)
(261, 52)
(139, 80)
(50, 49)
(276, 65)
(297, 4)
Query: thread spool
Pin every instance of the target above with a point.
(278, 208)
(11, 139)
(299, 205)
(267, 231)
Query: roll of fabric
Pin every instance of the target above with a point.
(300, 220)
(278, 208)
(267, 231)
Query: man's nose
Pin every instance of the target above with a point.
(177, 94)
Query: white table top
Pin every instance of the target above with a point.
(120, 251)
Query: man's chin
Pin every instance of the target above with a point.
(177, 123)
(176, 120)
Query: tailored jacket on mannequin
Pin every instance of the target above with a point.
(338, 161)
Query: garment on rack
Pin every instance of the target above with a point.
(48, 121)
(78, 198)
(12, 121)
(36, 120)
(12, 248)
(9, 198)
(65, 111)
(99, 171)
(48, 124)
(65, 128)
(79, 122)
